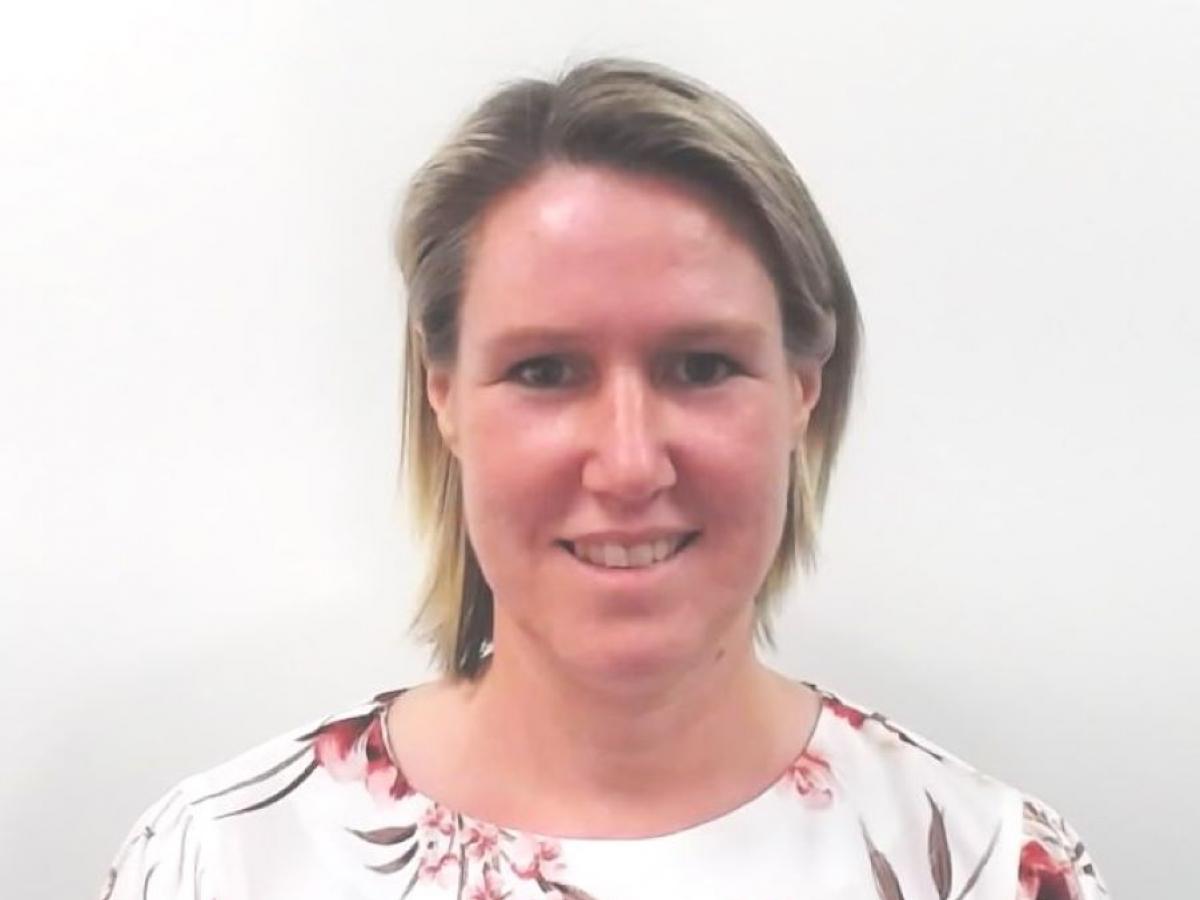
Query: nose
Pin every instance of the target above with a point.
(628, 458)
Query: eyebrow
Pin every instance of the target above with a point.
(735, 330)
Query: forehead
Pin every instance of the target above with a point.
(594, 246)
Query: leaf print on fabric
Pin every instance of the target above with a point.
(273, 798)
(887, 884)
(349, 750)
(390, 837)
(939, 851)
(987, 854)
(399, 864)
(386, 836)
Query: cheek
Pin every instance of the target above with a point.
(514, 468)
(740, 475)
(741, 462)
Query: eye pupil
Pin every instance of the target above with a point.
(538, 372)
(702, 367)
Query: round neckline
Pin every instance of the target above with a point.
(742, 809)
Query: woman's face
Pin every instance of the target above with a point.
(620, 392)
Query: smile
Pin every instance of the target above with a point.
(610, 555)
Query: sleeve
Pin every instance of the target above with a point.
(1055, 865)
(162, 857)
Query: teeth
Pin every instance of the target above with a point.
(616, 556)
(641, 555)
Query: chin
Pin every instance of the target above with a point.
(636, 658)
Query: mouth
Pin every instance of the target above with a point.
(648, 555)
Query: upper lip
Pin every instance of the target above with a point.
(641, 536)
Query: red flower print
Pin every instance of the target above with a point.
(353, 750)
(812, 779)
(855, 717)
(1042, 877)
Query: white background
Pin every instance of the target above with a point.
(200, 541)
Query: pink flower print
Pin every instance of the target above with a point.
(353, 750)
(490, 888)
(440, 868)
(481, 840)
(537, 858)
(437, 818)
(811, 778)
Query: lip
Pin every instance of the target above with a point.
(627, 538)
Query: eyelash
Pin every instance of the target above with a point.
(514, 374)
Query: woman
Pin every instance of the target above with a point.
(630, 351)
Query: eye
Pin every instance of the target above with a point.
(540, 372)
(704, 369)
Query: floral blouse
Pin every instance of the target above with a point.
(866, 810)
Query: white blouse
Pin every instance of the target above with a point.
(866, 810)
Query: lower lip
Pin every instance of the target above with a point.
(633, 574)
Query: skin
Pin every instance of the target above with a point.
(663, 398)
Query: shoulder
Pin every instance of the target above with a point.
(162, 855)
(1054, 861)
(878, 761)
(178, 847)
(925, 812)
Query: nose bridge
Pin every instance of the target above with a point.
(628, 454)
(629, 407)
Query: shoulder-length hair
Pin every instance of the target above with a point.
(642, 118)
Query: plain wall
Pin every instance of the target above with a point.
(200, 542)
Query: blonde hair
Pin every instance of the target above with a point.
(642, 118)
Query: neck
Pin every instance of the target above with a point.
(614, 746)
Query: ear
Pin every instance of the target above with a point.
(806, 391)
(439, 389)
